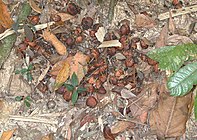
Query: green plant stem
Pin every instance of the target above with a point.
(111, 10)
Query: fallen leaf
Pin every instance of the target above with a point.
(144, 21)
(5, 19)
(79, 65)
(111, 43)
(34, 6)
(178, 39)
(48, 137)
(65, 16)
(43, 74)
(171, 25)
(161, 40)
(170, 117)
(62, 75)
(58, 45)
(100, 34)
(121, 126)
(126, 94)
(143, 117)
(7, 134)
(108, 134)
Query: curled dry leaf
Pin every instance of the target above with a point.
(121, 126)
(58, 45)
(170, 117)
(108, 134)
(111, 43)
(7, 134)
(34, 6)
(145, 21)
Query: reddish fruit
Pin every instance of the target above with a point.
(102, 90)
(87, 23)
(34, 19)
(79, 39)
(67, 95)
(73, 9)
(125, 29)
(91, 101)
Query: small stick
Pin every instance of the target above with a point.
(32, 119)
(178, 12)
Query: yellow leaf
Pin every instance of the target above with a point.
(7, 134)
(58, 45)
(62, 75)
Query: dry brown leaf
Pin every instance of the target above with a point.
(144, 21)
(121, 126)
(111, 43)
(161, 40)
(48, 137)
(171, 26)
(170, 117)
(59, 46)
(7, 134)
(178, 39)
(62, 75)
(34, 6)
(79, 65)
(108, 134)
(65, 16)
(5, 19)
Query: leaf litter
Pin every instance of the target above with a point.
(111, 66)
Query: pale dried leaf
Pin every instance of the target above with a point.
(121, 126)
(171, 26)
(126, 94)
(58, 45)
(178, 39)
(145, 21)
(41, 77)
(170, 117)
(111, 43)
(34, 6)
(65, 16)
(120, 56)
(7, 134)
(161, 40)
(100, 34)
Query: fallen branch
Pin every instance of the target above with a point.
(178, 12)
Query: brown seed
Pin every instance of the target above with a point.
(73, 9)
(56, 18)
(91, 101)
(79, 39)
(34, 19)
(129, 62)
(67, 95)
(111, 51)
(102, 90)
(87, 23)
(125, 29)
(77, 31)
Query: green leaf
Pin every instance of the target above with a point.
(23, 71)
(173, 57)
(195, 107)
(19, 98)
(30, 67)
(6, 45)
(74, 97)
(29, 76)
(17, 72)
(74, 79)
(69, 87)
(27, 103)
(25, 11)
(81, 89)
(28, 98)
(182, 81)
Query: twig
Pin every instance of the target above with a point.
(33, 119)
(37, 27)
(178, 12)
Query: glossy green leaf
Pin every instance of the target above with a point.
(29, 76)
(27, 103)
(195, 107)
(81, 89)
(173, 57)
(30, 67)
(183, 80)
(69, 87)
(19, 98)
(74, 79)
(28, 98)
(23, 71)
(74, 97)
